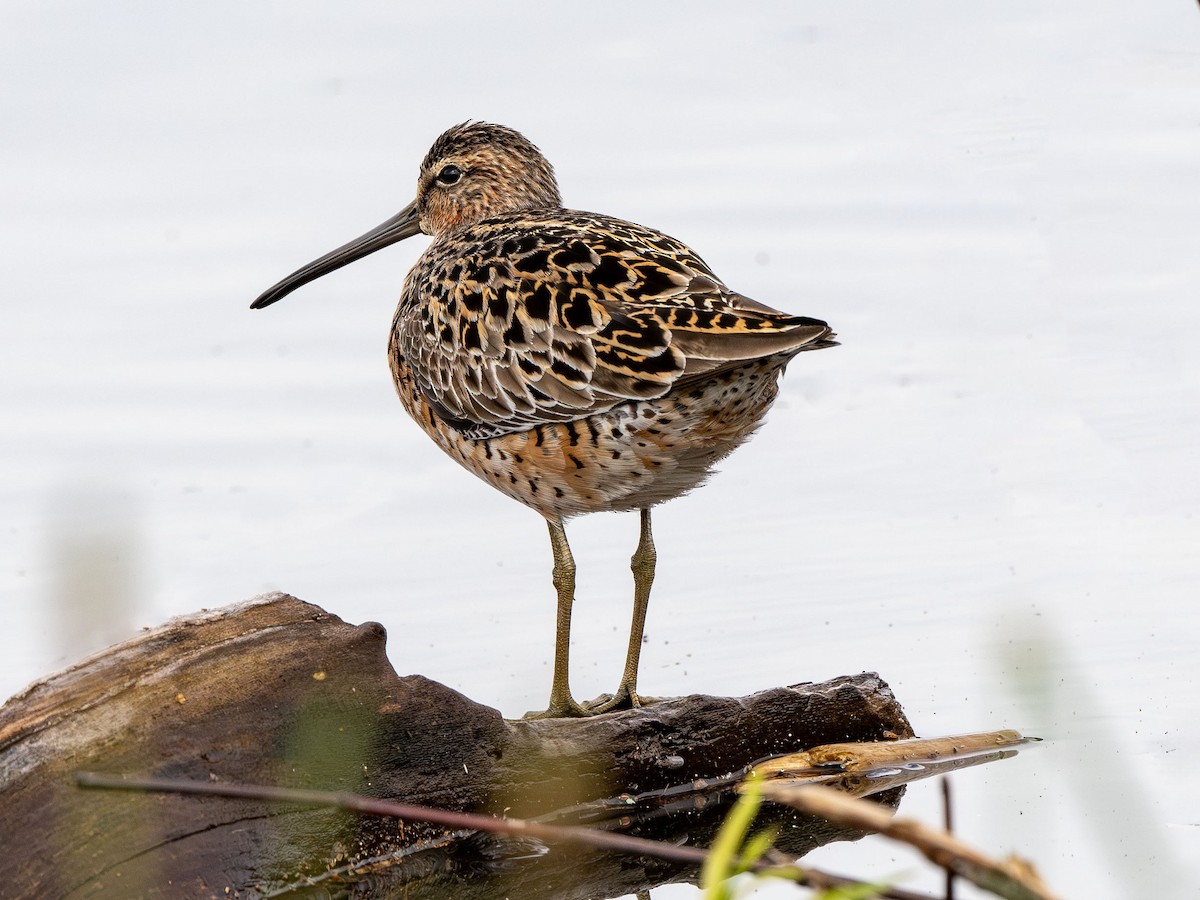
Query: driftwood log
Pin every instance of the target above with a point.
(277, 691)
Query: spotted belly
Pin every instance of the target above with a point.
(633, 456)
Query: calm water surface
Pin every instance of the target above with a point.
(989, 494)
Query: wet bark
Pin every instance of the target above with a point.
(277, 691)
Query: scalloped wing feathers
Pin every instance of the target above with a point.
(556, 315)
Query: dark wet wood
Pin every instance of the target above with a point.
(277, 691)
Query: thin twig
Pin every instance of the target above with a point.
(948, 825)
(604, 840)
(1011, 879)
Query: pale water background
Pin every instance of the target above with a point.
(989, 494)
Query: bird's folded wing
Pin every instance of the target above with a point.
(559, 322)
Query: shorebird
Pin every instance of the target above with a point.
(576, 362)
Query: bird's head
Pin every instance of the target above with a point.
(477, 170)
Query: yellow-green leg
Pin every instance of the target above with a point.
(561, 702)
(642, 564)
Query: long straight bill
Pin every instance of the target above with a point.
(403, 225)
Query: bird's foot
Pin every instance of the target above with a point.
(560, 709)
(624, 698)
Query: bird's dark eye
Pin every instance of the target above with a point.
(449, 175)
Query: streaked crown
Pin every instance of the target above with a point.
(476, 170)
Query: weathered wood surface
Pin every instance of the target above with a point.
(277, 691)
